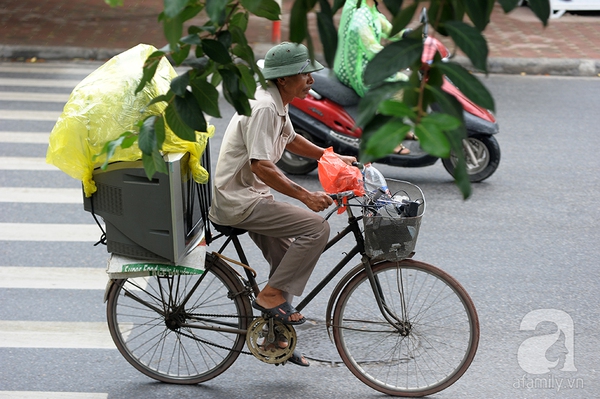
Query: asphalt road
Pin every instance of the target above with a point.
(524, 246)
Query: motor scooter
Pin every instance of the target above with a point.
(327, 117)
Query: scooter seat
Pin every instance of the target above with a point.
(328, 85)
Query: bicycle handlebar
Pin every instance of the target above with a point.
(343, 194)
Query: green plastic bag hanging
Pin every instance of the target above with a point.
(103, 106)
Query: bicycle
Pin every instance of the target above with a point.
(401, 326)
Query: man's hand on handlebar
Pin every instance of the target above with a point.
(348, 159)
(318, 201)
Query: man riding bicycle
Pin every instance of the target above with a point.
(291, 238)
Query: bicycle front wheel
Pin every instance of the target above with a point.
(183, 329)
(431, 340)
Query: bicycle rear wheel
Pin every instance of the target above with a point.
(177, 342)
(430, 346)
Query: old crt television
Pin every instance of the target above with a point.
(160, 219)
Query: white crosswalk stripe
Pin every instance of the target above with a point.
(34, 94)
(37, 83)
(37, 97)
(25, 163)
(64, 278)
(49, 232)
(41, 195)
(24, 137)
(51, 116)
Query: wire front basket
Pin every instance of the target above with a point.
(392, 221)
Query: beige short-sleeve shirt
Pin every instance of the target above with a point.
(262, 136)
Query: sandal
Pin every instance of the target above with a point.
(299, 359)
(401, 150)
(281, 313)
(411, 136)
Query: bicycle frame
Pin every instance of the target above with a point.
(352, 227)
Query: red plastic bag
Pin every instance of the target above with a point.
(336, 176)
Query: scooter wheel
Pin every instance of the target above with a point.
(482, 157)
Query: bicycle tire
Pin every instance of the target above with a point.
(145, 320)
(435, 349)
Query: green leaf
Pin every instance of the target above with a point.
(154, 163)
(129, 140)
(247, 80)
(385, 139)
(224, 37)
(479, 12)
(198, 64)
(461, 177)
(174, 7)
(125, 140)
(337, 4)
(232, 92)
(191, 11)
(162, 98)
(508, 5)
(245, 53)
(190, 113)
(471, 41)
(402, 18)
(432, 138)
(328, 35)
(149, 165)
(180, 54)
(367, 108)
(149, 69)
(541, 8)
(160, 131)
(467, 83)
(444, 121)
(177, 125)
(240, 21)
(192, 40)
(299, 21)
(147, 136)
(216, 51)
(447, 103)
(393, 5)
(215, 9)
(180, 83)
(395, 108)
(173, 29)
(393, 58)
(268, 9)
(207, 97)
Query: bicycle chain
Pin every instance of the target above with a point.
(212, 343)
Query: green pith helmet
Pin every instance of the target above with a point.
(287, 59)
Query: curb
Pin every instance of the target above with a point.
(538, 66)
(496, 65)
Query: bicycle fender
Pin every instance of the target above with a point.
(107, 289)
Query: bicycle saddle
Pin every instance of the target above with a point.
(228, 230)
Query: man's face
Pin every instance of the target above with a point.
(298, 85)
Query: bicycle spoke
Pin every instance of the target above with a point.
(427, 351)
(182, 329)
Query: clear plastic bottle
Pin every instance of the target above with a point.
(374, 181)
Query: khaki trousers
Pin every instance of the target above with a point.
(291, 240)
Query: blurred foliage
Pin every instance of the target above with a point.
(217, 53)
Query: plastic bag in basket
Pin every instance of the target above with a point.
(336, 176)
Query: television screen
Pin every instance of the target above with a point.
(160, 219)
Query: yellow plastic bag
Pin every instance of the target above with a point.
(103, 106)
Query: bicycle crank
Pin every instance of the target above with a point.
(271, 341)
